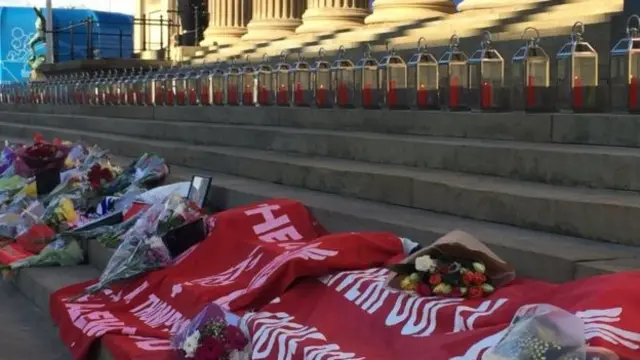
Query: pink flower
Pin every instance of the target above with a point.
(235, 339)
(423, 289)
(210, 349)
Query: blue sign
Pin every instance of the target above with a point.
(18, 27)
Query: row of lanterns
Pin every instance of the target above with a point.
(452, 81)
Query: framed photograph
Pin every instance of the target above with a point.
(199, 190)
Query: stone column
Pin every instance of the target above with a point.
(273, 19)
(331, 15)
(391, 11)
(227, 21)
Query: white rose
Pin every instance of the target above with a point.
(425, 263)
(191, 344)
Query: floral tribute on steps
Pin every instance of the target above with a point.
(49, 189)
(209, 336)
(457, 265)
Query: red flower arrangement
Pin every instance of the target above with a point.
(444, 276)
(99, 176)
(42, 155)
(210, 337)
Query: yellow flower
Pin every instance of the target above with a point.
(442, 289)
(408, 284)
(415, 277)
(479, 267)
(30, 190)
(65, 208)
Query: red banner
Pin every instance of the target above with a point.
(305, 294)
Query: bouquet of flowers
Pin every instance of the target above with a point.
(62, 251)
(539, 332)
(7, 158)
(99, 176)
(210, 337)
(41, 155)
(142, 248)
(148, 172)
(456, 265)
(60, 214)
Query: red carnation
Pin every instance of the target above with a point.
(468, 278)
(210, 349)
(475, 292)
(235, 339)
(435, 279)
(423, 289)
(479, 279)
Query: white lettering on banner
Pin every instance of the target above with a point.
(95, 323)
(157, 313)
(273, 229)
(596, 325)
(278, 332)
(232, 274)
(132, 295)
(418, 315)
(152, 344)
(365, 288)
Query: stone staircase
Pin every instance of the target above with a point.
(556, 195)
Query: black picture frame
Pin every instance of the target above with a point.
(199, 189)
(185, 236)
(47, 180)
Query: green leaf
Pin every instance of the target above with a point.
(402, 268)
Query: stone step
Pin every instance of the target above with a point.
(563, 164)
(564, 258)
(597, 214)
(591, 129)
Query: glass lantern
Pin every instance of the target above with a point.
(301, 88)
(233, 79)
(322, 82)
(530, 73)
(486, 77)
(452, 69)
(343, 80)
(282, 80)
(217, 86)
(204, 86)
(577, 81)
(264, 82)
(192, 86)
(625, 70)
(392, 75)
(422, 79)
(159, 86)
(144, 96)
(366, 82)
(248, 84)
(180, 87)
(172, 79)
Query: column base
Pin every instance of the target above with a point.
(222, 36)
(271, 29)
(389, 11)
(319, 20)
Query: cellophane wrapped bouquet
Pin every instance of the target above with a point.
(62, 251)
(210, 337)
(147, 172)
(39, 156)
(142, 248)
(539, 332)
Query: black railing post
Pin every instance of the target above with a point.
(89, 34)
(72, 51)
(169, 29)
(196, 25)
(143, 21)
(161, 32)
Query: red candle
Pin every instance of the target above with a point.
(282, 95)
(531, 91)
(193, 96)
(170, 98)
(181, 97)
(392, 94)
(263, 96)
(486, 95)
(342, 95)
(423, 97)
(159, 97)
(320, 95)
(232, 95)
(247, 96)
(298, 95)
(366, 95)
(633, 94)
(577, 93)
(454, 92)
(204, 95)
